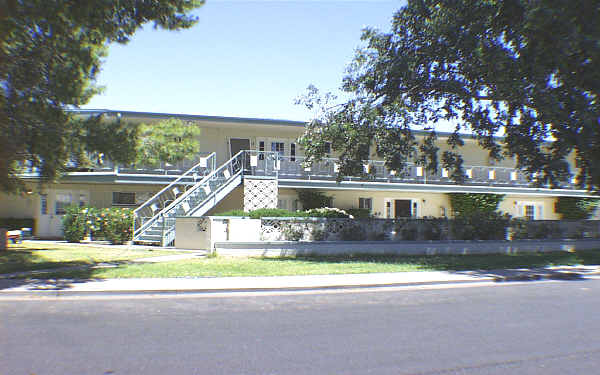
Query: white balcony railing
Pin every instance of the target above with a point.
(375, 170)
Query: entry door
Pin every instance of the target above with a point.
(402, 208)
(238, 144)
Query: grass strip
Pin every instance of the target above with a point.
(227, 267)
(31, 256)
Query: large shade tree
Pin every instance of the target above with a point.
(50, 54)
(527, 70)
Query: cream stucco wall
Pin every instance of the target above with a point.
(20, 206)
(511, 205)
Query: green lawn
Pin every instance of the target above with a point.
(225, 266)
(29, 256)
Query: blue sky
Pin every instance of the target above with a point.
(243, 58)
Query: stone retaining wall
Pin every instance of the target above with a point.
(293, 248)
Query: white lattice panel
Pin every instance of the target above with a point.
(260, 194)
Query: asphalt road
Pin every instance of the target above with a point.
(525, 328)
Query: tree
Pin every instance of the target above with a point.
(50, 54)
(528, 70)
(168, 141)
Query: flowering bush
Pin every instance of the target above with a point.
(73, 222)
(112, 224)
(328, 212)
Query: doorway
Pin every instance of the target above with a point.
(238, 144)
(402, 208)
(398, 208)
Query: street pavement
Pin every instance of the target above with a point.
(537, 327)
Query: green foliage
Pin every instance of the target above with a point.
(278, 212)
(359, 213)
(17, 224)
(50, 54)
(317, 234)
(331, 213)
(313, 199)
(113, 224)
(169, 141)
(573, 208)
(523, 67)
(480, 226)
(353, 233)
(74, 224)
(527, 229)
(90, 141)
(291, 233)
(466, 203)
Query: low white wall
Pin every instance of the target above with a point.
(202, 232)
(293, 248)
(192, 233)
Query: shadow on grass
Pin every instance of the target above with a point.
(22, 267)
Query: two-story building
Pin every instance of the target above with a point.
(249, 163)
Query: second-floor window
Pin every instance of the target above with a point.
(293, 152)
(278, 147)
(261, 149)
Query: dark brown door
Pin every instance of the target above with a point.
(402, 208)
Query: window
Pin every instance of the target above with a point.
(327, 148)
(278, 147)
(529, 212)
(44, 204)
(282, 204)
(123, 199)
(365, 203)
(63, 200)
(261, 149)
(293, 152)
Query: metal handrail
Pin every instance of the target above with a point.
(211, 158)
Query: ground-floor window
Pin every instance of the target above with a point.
(530, 210)
(123, 199)
(62, 201)
(365, 203)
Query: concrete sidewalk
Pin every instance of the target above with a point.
(11, 287)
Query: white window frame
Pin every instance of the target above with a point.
(415, 207)
(64, 199)
(362, 200)
(538, 209)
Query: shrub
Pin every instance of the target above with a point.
(465, 204)
(112, 224)
(353, 233)
(291, 233)
(527, 229)
(432, 229)
(408, 231)
(313, 199)
(74, 223)
(480, 226)
(318, 234)
(359, 213)
(116, 224)
(328, 212)
(573, 208)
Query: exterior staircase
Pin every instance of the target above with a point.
(154, 221)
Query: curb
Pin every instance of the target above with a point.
(559, 276)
